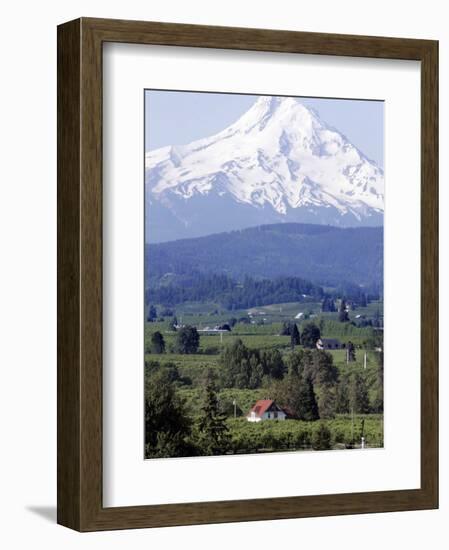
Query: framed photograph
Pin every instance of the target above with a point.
(247, 274)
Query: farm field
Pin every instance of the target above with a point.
(205, 313)
(261, 329)
(298, 435)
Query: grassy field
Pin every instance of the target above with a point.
(203, 314)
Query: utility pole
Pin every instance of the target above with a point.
(364, 361)
(234, 402)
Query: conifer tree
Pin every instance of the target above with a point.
(167, 426)
(295, 362)
(327, 402)
(319, 365)
(273, 364)
(343, 316)
(187, 340)
(296, 392)
(294, 336)
(359, 399)
(255, 372)
(152, 314)
(308, 400)
(327, 305)
(157, 343)
(213, 433)
(342, 405)
(310, 335)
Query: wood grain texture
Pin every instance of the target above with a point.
(69, 407)
(80, 274)
(429, 271)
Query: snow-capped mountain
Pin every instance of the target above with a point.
(278, 162)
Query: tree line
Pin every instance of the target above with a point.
(232, 294)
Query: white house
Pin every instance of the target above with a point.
(328, 343)
(266, 409)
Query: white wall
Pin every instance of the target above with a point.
(28, 271)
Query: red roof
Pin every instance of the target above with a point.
(261, 406)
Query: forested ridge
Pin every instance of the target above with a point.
(324, 255)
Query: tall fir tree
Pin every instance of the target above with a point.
(294, 336)
(310, 335)
(295, 361)
(152, 314)
(273, 364)
(342, 404)
(327, 402)
(327, 305)
(187, 340)
(359, 399)
(307, 404)
(255, 372)
(343, 316)
(213, 433)
(167, 425)
(296, 392)
(157, 343)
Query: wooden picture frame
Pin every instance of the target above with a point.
(80, 504)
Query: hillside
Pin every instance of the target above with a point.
(324, 255)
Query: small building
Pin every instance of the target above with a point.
(329, 343)
(266, 409)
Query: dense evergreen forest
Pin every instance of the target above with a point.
(325, 255)
(232, 294)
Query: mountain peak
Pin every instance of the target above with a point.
(269, 104)
(278, 162)
(268, 108)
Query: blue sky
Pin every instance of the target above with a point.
(177, 118)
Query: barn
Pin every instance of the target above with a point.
(329, 343)
(266, 409)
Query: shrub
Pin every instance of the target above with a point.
(321, 438)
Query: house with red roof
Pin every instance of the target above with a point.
(266, 409)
